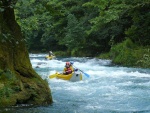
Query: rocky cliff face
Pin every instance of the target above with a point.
(19, 83)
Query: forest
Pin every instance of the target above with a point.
(106, 29)
(109, 29)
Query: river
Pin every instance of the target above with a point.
(109, 89)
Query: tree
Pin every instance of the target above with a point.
(139, 30)
(74, 33)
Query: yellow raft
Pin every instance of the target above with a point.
(49, 57)
(75, 76)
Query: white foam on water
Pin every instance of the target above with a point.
(107, 87)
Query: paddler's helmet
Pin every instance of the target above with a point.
(67, 64)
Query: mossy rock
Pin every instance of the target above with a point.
(19, 83)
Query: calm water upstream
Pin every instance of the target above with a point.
(109, 89)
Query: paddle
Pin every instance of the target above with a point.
(83, 72)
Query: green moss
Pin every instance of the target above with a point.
(7, 102)
(19, 83)
(23, 90)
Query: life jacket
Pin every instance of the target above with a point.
(68, 70)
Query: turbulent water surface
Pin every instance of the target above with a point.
(109, 89)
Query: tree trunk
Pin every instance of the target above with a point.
(19, 83)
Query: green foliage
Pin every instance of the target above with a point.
(1, 9)
(62, 53)
(4, 4)
(109, 11)
(145, 60)
(128, 54)
(123, 53)
(74, 33)
(32, 22)
(139, 31)
(86, 27)
(104, 56)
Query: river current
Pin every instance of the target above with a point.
(109, 89)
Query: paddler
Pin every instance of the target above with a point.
(68, 68)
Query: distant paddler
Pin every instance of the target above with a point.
(50, 55)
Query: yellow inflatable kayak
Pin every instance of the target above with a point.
(49, 57)
(75, 76)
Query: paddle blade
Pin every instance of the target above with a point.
(83, 72)
(86, 74)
